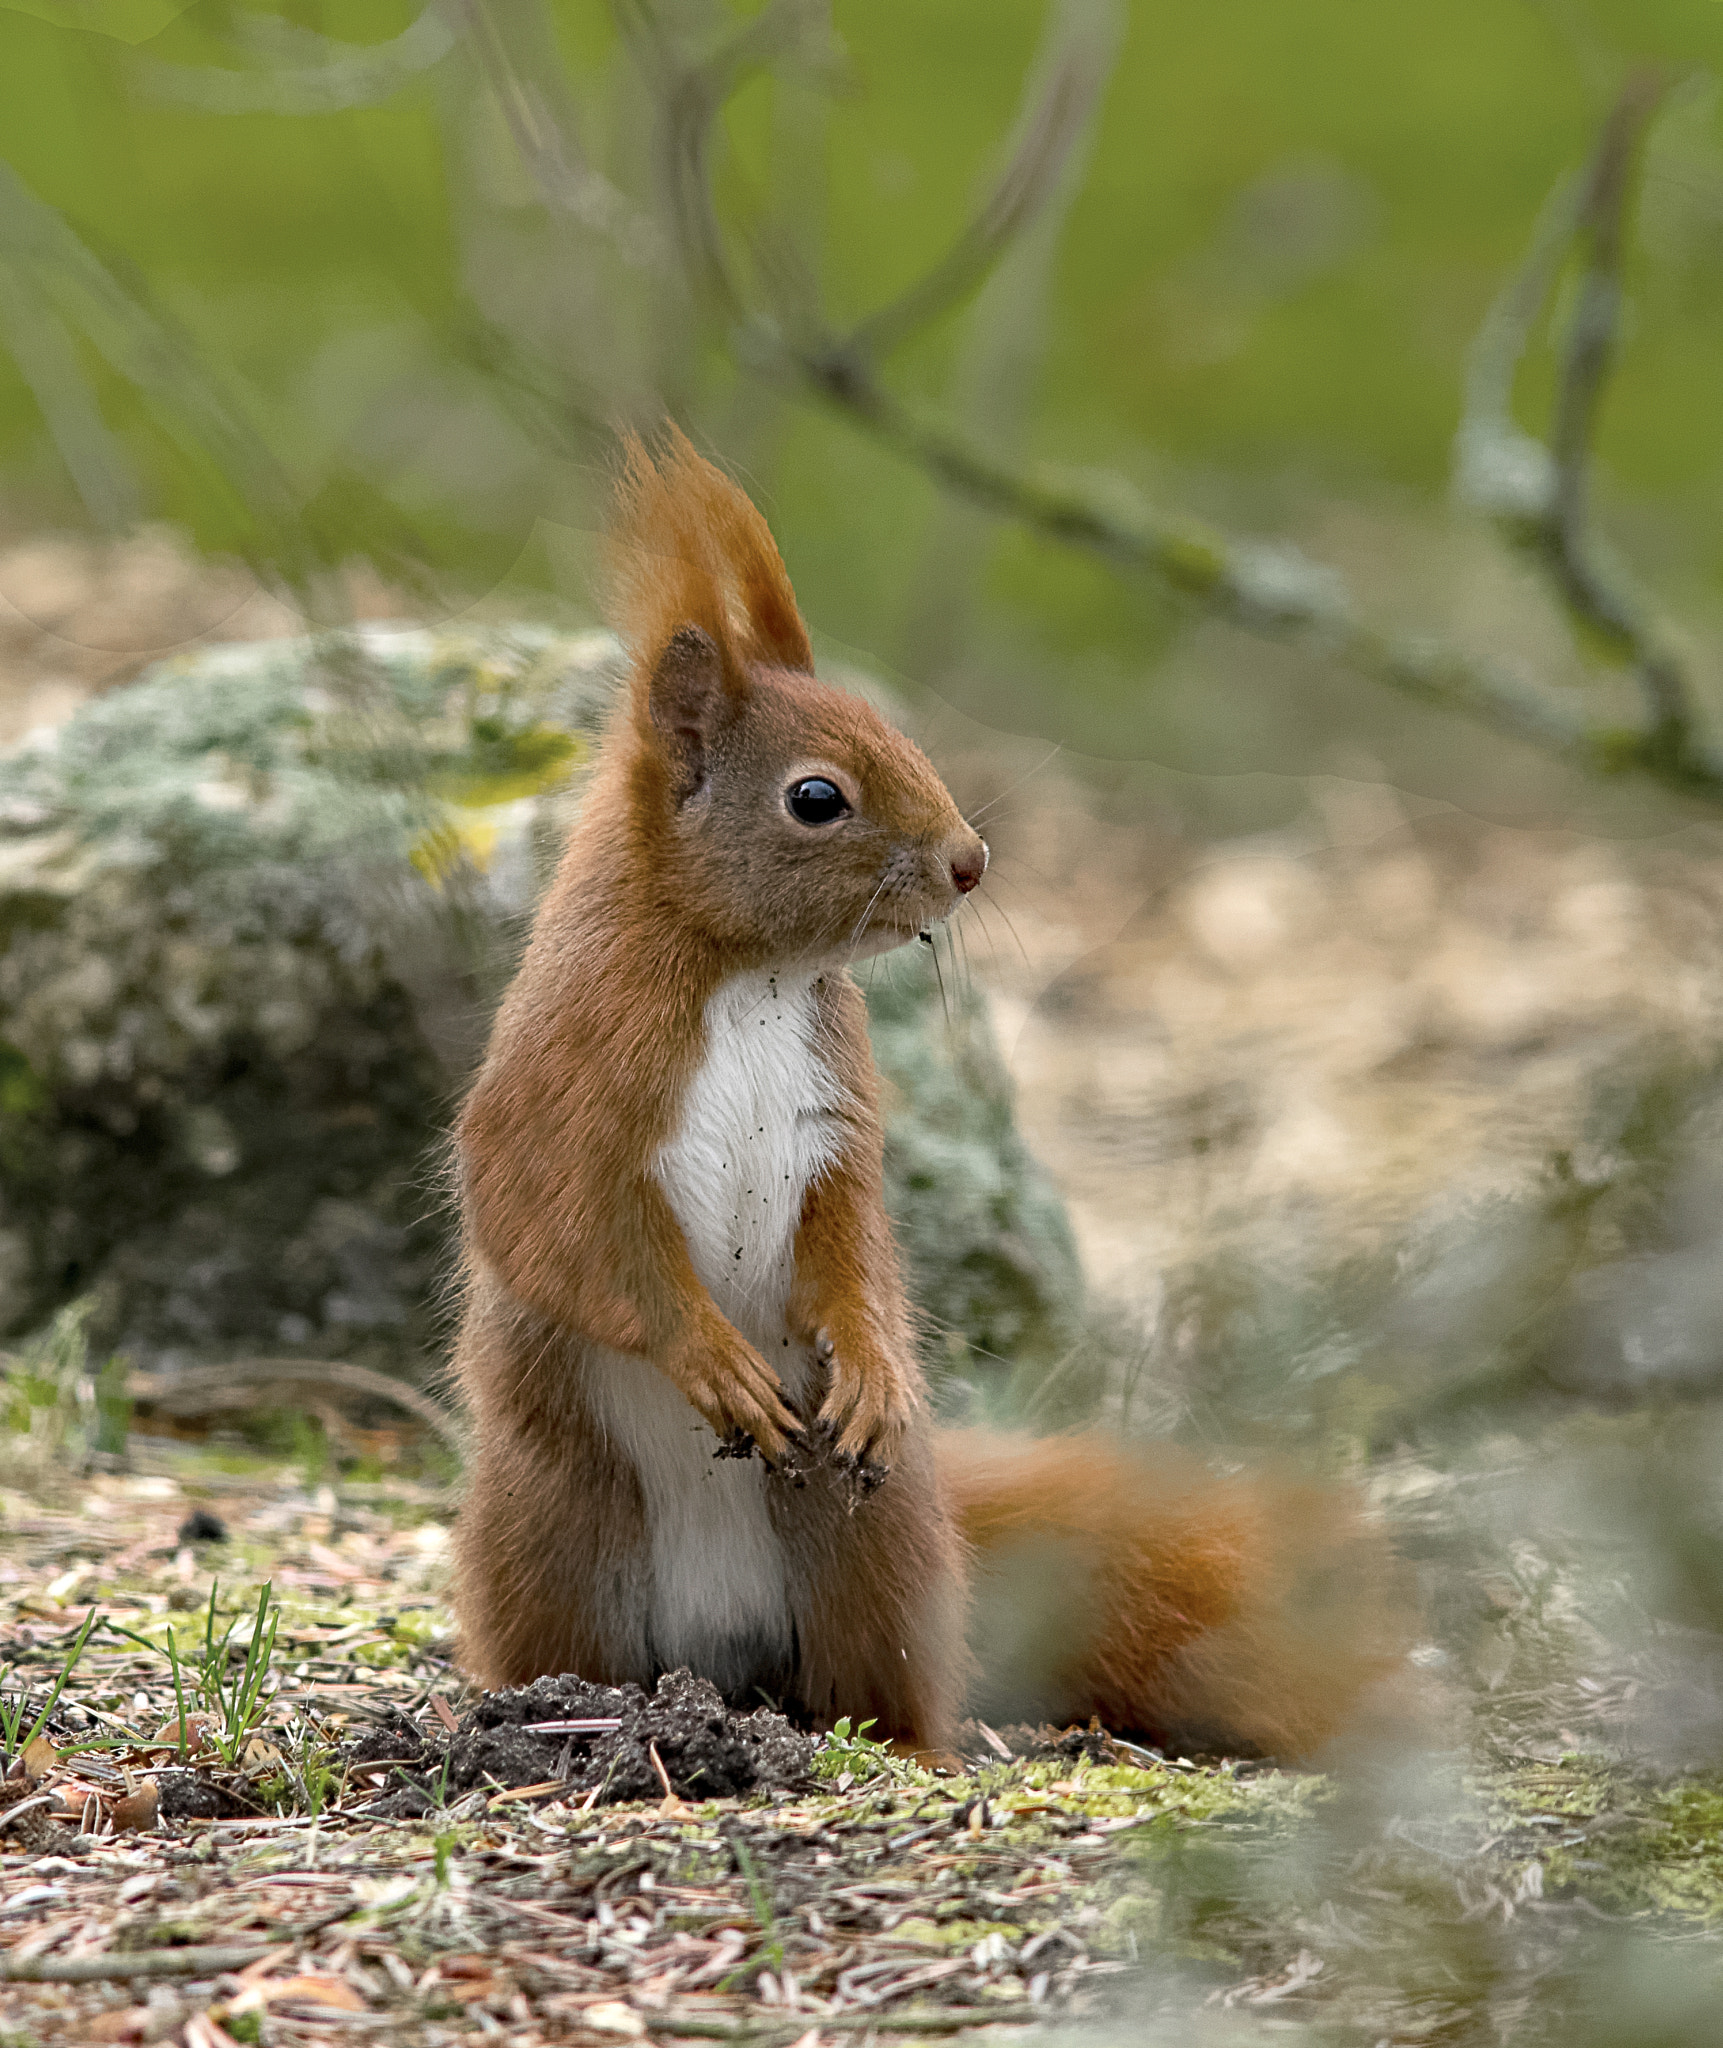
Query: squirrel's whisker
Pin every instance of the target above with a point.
(1012, 929)
(975, 817)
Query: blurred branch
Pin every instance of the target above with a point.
(254, 1382)
(139, 342)
(1540, 494)
(1048, 130)
(691, 96)
(541, 122)
(1269, 588)
(320, 76)
(1265, 587)
(48, 362)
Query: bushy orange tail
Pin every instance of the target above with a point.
(1249, 1613)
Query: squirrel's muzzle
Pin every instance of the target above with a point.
(969, 863)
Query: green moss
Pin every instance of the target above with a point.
(499, 767)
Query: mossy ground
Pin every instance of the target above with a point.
(1391, 1898)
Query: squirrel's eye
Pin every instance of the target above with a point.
(815, 801)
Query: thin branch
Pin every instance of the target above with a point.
(1266, 588)
(691, 96)
(541, 124)
(1541, 494)
(47, 360)
(207, 1961)
(1598, 590)
(1047, 132)
(170, 1390)
(340, 75)
(145, 347)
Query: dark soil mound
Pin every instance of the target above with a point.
(195, 1795)
(588, 1738)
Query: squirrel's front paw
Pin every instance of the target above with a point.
(740, 1396)
(869, 1404)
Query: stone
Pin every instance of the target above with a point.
(255, 911)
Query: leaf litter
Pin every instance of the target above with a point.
(265, 1802)
(303, 1824)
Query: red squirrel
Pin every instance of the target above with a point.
(702, 1434)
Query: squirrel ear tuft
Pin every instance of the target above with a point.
(688, 549)
(687, 701)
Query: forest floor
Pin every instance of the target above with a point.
(1295, 1044)
(268, 1886)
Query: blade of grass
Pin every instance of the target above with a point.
(178, 1691)
(66, 1670)
(761, 1901)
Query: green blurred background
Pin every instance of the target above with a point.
(337, 321)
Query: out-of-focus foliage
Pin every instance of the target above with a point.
(289, 275)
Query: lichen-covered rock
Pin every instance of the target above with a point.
(255, 910)
(991, 1262)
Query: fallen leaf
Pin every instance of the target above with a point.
(314, 1989)
(128, 2025)
(461, 1977)
(136, 1811)
(196, 1733)
(440, 1707)
(40, 1757)
(613, 2017)
(260, 1755)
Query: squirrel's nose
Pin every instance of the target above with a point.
(968, 867)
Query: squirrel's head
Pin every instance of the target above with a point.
(787, 818)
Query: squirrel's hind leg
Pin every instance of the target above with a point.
(551, 1562)
(877, 1591)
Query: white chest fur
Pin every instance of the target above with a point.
(755, 1128)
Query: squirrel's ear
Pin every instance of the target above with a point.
(687, 702)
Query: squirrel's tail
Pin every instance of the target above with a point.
(1247, 1612)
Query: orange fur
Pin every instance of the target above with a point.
(686, 548)
(1253, 1612)
(1183, 1598)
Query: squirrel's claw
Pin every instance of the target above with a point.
(865, 1412)
(742, 1398)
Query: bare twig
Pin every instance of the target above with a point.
(1270, 588)
(153, 1962)
(541, 123)
(339, 74)
(24, 1806)
(1540, 494)
(1053, 119)
(691, 95)
(1266, 588)
(1598, 590)
(167, 1389)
